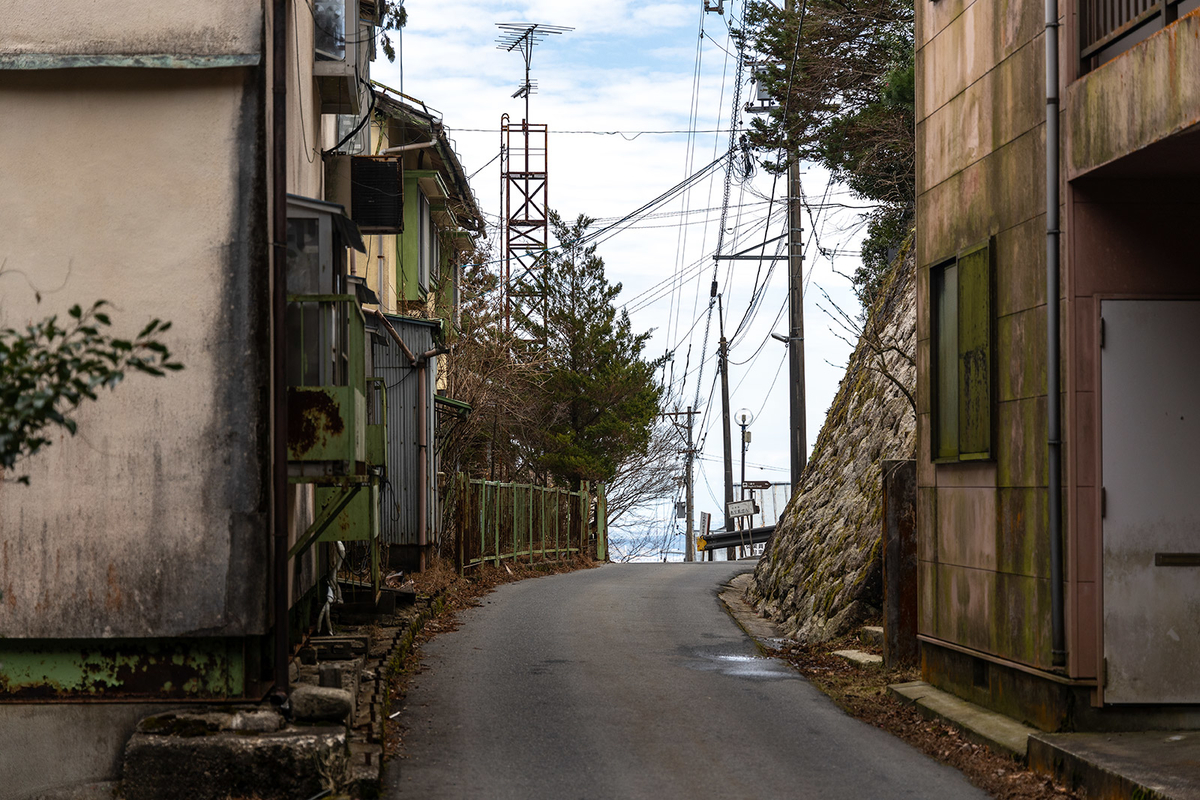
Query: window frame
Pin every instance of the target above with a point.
(974, 382)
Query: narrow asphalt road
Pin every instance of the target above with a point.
(631, 681)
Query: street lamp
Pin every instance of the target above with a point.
(743, 417)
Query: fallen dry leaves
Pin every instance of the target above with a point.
(863, 694)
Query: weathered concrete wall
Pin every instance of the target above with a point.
(1142, 96)
(145, 188)
(79, 27)
(33, 738)
(822, 572)
(980, 166)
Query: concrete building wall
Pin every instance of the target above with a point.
(1132, 157)
(1129, 166)
(145, 188)
(980, 166)
(133, 27)
(32, 743)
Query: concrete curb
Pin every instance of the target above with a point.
(977, 723)
(1147, 765)
(761, 630)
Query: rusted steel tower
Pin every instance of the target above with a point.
(524, 194)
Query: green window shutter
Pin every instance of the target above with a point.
(945, 362)
(975, 353)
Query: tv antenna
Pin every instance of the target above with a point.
(524, 194)
(523, 37)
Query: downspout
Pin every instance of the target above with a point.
(422, 366)
(279, 483)
(1058, 649)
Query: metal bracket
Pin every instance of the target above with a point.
(324, 519)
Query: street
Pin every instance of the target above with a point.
(633, 681)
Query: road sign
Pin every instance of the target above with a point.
(757, 485)
(741, 508)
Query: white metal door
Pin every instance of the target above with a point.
(1150, 434)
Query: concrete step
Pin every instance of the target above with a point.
(977, 723)
(1163, 765)
(859, 659)
(871, 634)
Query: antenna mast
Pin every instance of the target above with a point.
(524, 201)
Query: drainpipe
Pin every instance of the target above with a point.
(1058, 649)
(279, 484)
(422, 367)
(404, 148)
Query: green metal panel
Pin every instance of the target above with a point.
(377, 434)
(326, 423)
(358, 522)
(975, 353)
(89, 668)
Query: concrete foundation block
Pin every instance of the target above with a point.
(286, 764)
(859, 659)
(321, 704)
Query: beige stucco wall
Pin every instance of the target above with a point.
(140, 187)
(73, 27)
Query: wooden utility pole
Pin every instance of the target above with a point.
(723, 365)
(798, 436)
(689, 553)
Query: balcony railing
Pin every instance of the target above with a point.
(1109, 27)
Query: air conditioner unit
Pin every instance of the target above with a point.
(342, 44)
(371, 188)
(377, 194)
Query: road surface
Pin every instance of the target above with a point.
(631, 681)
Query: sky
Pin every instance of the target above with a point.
(668, 66)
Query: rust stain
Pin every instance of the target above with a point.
(112, 599)
(312, 418)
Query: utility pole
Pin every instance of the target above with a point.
(723, 358)
(689, 552)
(798, 437)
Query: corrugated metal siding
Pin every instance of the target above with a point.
(398, 499)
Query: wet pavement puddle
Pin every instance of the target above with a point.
(737, 665)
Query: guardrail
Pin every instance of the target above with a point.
(495, 522)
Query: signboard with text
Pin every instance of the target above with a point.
(741, 508)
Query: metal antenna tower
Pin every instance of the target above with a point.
(524, 192)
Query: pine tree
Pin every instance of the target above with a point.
(599, 397)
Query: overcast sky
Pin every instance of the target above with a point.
(649, 67)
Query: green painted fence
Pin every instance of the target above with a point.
(495, 522)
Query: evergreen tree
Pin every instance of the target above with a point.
(599, 398)
(844, 91)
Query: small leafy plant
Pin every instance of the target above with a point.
(49, 369)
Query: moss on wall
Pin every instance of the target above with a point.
(822, 573)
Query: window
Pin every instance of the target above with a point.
(961, 308)
(342, 53)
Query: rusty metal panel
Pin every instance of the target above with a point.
(326, 423)
(64, 669)
(399, 493)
